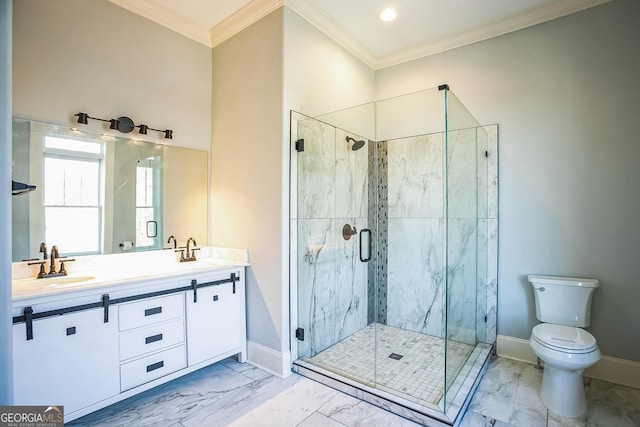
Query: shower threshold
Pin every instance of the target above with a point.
(408, 380)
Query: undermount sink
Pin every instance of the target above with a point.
(52, 282)
(67, 280)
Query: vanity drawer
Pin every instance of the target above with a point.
(150, 311)
(152, 338)
(151, 367)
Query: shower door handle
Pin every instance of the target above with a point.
(368, 258)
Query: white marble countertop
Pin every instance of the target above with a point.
(92, 273)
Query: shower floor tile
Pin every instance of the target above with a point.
(407, 363)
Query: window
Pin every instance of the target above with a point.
(148, 203)
(72, 195)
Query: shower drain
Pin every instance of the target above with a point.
(396, 356)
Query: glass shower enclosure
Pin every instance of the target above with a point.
(393, 252)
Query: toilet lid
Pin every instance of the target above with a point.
(566, 338)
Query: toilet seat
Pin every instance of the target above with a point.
(566, 339)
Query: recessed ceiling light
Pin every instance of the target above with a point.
(388, 14)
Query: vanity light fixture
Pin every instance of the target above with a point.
(123, 124)
(389, 14)
(82, 118)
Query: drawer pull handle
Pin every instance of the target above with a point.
(155, 366)
(152, 311)
(153, 338)
(71, 331)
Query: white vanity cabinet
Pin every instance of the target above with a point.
(71, 360)
(91, 348)
(216, 321)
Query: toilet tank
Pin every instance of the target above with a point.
(563, 300)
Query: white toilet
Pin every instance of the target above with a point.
(564, 304)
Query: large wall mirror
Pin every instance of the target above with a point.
(101, 194)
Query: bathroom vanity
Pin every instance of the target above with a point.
(121, 324)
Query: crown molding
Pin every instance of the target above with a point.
(163, 16)
(258, 9)
(451, 41)
(241, 19)
(515, 23)
(332, 29)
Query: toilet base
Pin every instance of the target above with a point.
(563, 391)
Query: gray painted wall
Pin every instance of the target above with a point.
(96, 57)
(275, 65)
(565, 95)
(6, 355)
(246, 168)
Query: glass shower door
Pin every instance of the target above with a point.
(332, 244)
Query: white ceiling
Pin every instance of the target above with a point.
(423, 27)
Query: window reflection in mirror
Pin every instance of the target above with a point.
(72, 191)
(148, 204)
(96, 191)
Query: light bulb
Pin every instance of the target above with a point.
(388, 14)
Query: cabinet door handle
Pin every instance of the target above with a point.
(152, 311)
(71, 330)
(105, 306)
(155, 366)
(28, 320)
(194, 286)
(153, 338)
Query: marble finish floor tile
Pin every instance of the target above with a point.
(353, 412)
(192, 397)
(508, 395)
(318, 420)
(232, 394)
(289, 408)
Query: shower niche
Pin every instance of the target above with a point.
(399, 310)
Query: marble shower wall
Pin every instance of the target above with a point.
(420, 221)
(415, 264)
(331, 191)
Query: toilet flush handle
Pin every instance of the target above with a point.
(541, 289)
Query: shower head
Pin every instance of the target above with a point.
(356, 144)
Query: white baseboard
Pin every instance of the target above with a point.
(617, 371)
(515, 348)
(610, 369)
(272, 361)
